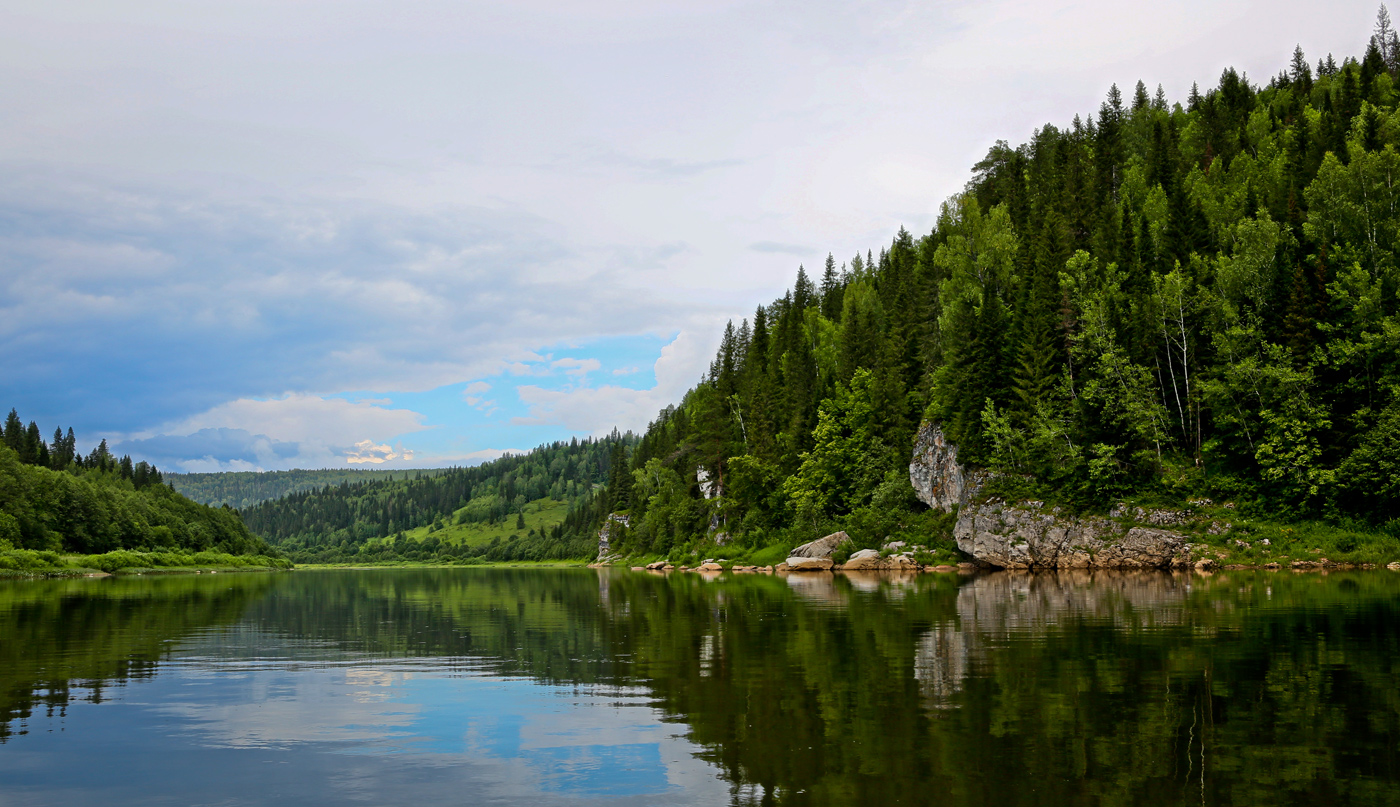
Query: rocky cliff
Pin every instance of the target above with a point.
(1027, 535)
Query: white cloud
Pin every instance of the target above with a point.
(366, 452)
(295, 430)
(579, 368)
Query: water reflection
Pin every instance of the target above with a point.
(569, 686)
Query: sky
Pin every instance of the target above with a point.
(327, 233)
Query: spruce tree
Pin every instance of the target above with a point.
(58, 458)
(33, 442)
(14, 432)
(802, 290)
(1300, 74)
(831, 290)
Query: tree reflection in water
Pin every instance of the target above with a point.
(1075, 688)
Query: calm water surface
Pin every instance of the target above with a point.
(570, 686)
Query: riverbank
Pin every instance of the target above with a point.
(37, 563)
(413, 564)
(900, 567)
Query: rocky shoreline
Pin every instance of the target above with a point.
(1029, 535)
(817, 556)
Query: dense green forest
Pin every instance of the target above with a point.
(1159, 301)
(433, 515)
(54, 500)
(241, 489)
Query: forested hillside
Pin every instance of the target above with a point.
(53, 499)
(241, 489)
(1161, 300)
(439, 515)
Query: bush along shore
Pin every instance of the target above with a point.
(47, 563)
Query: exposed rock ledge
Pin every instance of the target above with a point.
(1027, 535)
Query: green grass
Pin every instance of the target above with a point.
(1305, 541)
(456, 564)
(28, 562)
(540, 515)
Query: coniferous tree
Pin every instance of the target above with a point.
(32, 444)
(831, 290)
(14, 432)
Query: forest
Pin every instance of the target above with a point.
(113, 512)
(1156, 302)
(434, 515)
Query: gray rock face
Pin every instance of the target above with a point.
(1026, 536)
(934, 471)
(611, 527)
(822, 547)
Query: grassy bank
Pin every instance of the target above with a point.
(538, 516)
(445, 564)
(41, 563)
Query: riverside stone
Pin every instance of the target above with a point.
(805, 564)
(864, 559)
(822, 547)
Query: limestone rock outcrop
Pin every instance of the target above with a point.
(612, 527)
(806, 564)
(934, 471)
(1028, 535)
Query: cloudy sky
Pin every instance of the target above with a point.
(260, 234)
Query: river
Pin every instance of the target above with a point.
(581, 686)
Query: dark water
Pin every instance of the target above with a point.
(541, 687)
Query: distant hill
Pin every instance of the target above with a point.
(536, 506)
(243, 489)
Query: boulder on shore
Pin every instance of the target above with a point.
(822, 547)
(864, 559)
(803, 564)
(901, 563)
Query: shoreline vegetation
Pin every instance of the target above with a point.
(22, 563)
